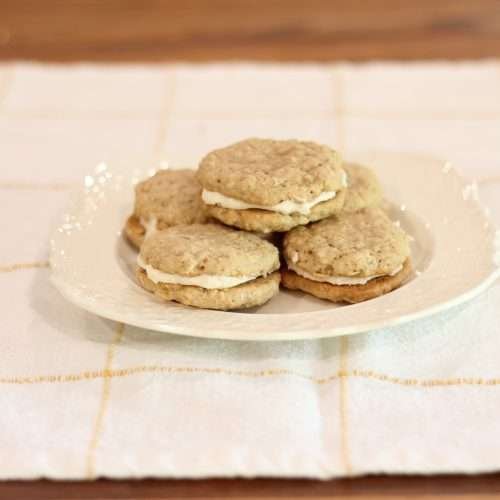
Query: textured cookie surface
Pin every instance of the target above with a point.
(266, 221)
(346, 293)
(364, 243)
(201, 249)
(363, 189)
(172, 196)
(250, 294)
(267, 172)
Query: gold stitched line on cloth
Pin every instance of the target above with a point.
(168, 98)
(24, 265)
(344, 421)
(409, 114)
(493, 179)
(338, 107)
(35, 186)
(103, 405)
(271, 372)
(55, 186)
(424, 115)
(339, 114)
(369, 374)
(64, 114)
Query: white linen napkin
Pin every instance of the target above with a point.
(82, 397)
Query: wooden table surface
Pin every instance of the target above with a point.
(276, 30)
(367, 488)
(147, 30)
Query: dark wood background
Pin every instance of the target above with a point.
(272, 30)
(291, 30)
(368, 488)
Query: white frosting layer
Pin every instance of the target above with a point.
(286, 207)
(150, 225)
(341, 280)
(204, 281)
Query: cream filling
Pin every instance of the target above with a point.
(285, 207)
(204, 281)
(150, 225)
(341, 280)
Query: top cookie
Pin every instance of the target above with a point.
(209, 249)
(267, 172)
(363, 189)
(171, 197)
(360, 244)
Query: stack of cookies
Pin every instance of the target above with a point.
(210, 238)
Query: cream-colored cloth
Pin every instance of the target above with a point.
(82, 397)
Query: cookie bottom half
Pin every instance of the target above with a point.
(346, 293)
(265, 221)
(250, 294)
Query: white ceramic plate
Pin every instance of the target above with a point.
(453, 254)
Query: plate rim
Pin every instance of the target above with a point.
(298, 335)
(74, 297)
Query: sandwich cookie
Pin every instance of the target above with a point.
(265, 185)
(363, 190)
(349, 258)
(169, 198)
(209, 266)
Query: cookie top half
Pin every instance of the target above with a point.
(364, 189)
(209, 249)
(172, 197)
(364, 243)
(267, 172)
